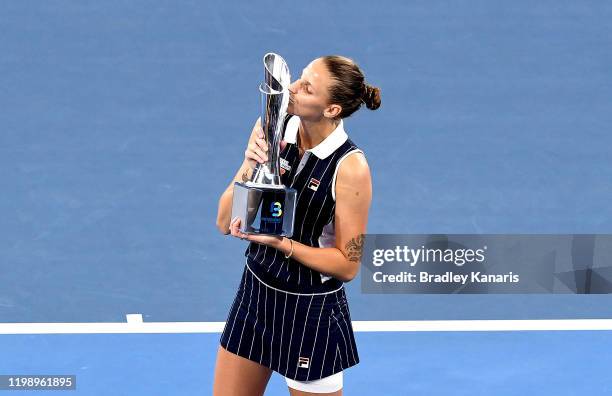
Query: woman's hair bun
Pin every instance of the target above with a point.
(371, 97)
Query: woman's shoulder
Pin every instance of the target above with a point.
(354, 165)
(352, 172)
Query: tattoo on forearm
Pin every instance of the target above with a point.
(245, 176)
(354, 248)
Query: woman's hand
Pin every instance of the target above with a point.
(270, 240)
(257, 149)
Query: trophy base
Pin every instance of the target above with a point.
(264, 210)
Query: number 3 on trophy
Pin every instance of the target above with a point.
(276, 209)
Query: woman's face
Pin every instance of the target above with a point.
(309, 95)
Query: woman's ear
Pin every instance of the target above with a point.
(332, 111)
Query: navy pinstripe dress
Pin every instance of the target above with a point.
(286, 316)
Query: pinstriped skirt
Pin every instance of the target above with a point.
(304, 337)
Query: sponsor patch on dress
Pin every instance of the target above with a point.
(303, 362)
(285, 164)
(314, 184)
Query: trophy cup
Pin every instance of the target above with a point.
(263, 204)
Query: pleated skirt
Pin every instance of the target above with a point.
(301, 336)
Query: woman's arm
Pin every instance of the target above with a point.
(224, 211)
(244, 173)
(353, 198)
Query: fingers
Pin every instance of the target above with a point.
(261, 142)
(257, 150)
(255, 153)
(262, 145)
(235, 229)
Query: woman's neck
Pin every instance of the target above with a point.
(313, 133)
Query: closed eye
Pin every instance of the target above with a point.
(307, 87)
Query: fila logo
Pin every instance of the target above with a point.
(314, 184)
(303, 362)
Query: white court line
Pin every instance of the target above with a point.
(359, 326)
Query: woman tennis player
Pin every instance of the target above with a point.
(290, 314)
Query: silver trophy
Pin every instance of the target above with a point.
(263, 204)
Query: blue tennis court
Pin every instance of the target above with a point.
(122, 123)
